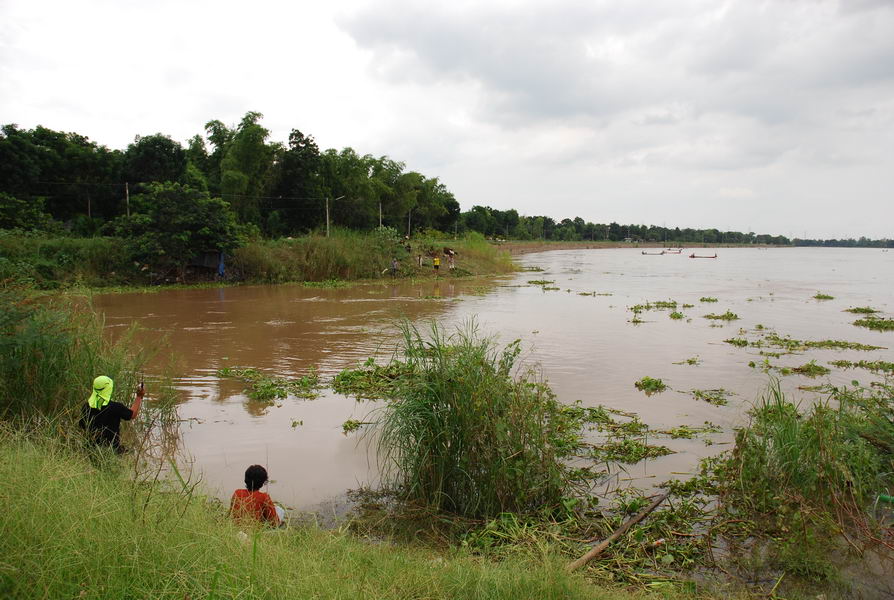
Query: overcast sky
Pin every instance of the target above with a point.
(775, 116)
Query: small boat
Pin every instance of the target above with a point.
(673, 251)
(697, 256)
(653, 253)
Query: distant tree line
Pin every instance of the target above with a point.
(53, 180)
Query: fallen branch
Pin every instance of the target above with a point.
(595, 551)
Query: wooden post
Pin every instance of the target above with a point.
(327, 217)
(127, 197)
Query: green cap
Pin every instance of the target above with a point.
(102, 392)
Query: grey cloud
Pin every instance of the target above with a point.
(602, 59)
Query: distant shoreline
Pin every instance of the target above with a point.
(525, 247)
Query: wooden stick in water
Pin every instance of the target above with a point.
(596, 550)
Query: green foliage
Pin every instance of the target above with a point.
(727, 316)
(717, 397)
(795, 475)
(52, 262)
(876, 323)
(628, 450)
(25, 215)
(821, 296)
(677, 315)
(71, 530)
(861, 310)
(463, 435)
(650, 385)
(875, 365)
(266, 388)
(172, 223)
(737, 342)
(51, 350)
(811, 369)
(154, 158)
(707, 299)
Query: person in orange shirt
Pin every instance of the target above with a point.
(252, 503)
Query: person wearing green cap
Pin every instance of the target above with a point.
(101, 416)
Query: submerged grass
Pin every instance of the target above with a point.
(806, 474)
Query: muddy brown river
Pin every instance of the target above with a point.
(586, 345)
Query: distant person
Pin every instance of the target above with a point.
(101, 416)
(252, 503)
(436, 261)
(394, 267)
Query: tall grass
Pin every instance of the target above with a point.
(46, 262)
(345, 255)
(50, 351)
(835, 454)
(70, 530)
(464, 435)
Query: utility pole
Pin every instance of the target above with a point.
(127, 197)
(327, 213)
(380, 213)
(409, 215)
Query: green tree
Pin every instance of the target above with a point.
(172, 223)
(296, 183)
(27, 215)
(244, 167)
(154, 158)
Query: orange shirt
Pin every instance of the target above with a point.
(255, 505)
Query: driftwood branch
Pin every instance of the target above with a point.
(596, 550)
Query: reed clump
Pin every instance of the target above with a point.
(800, 477)
(50, 351)
(464, 434)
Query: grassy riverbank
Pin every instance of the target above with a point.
(75, 528)
(49, 263)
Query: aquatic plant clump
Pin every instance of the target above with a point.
(861, 310)
(370, 380)
(266, 388)
(650, 385)
(821, 296)
(630, 451)
(876, 323)
(707, 299)
(717, 397)
(874, 365)
(462, 434)
(727, 316)
(811, 369)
